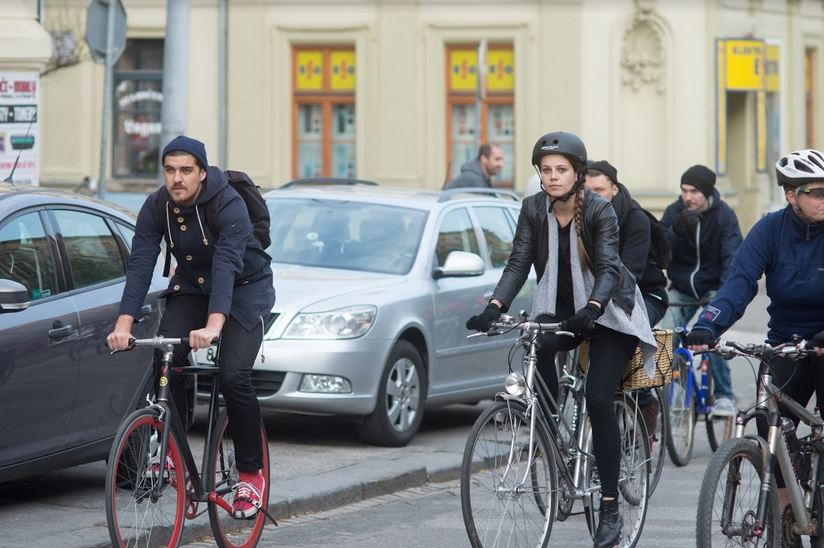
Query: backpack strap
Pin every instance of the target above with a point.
(162, 202)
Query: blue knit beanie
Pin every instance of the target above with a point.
(189, 146)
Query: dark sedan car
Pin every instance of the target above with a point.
(62, 269)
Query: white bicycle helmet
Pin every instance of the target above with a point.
(799, 167)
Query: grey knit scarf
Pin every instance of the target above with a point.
(546, 295)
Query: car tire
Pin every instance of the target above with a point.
(401, 397)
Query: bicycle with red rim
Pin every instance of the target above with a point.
(147, 503)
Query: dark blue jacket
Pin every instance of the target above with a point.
(791, 254)
(699, 268)
(228, 266)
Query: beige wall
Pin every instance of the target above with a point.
(573, 66)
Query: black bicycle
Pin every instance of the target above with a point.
(152, 482)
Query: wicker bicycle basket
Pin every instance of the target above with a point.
(635, 377)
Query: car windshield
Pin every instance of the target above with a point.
(343, 234)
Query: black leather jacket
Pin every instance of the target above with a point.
(600, 235)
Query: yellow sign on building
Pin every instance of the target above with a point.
(309, 70)
(500, 74)
(342, 70)
(746, 60)
(463, 69)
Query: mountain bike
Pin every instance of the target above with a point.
(152, 482)
(689, 397)
(525, 464)
(738, 503)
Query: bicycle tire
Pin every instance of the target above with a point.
(221, 475)
(658, 447)
(681, 402)
(739, 499)
(493, 463)
(719, 429)
(633, 481)
(133, 517)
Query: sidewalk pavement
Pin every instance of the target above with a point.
(310, 473)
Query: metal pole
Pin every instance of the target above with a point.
(221, 82)
(107, 101)
(175, 73)
(480, 91)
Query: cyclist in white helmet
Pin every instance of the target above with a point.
(787, 247)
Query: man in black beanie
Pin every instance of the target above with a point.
(704, 235)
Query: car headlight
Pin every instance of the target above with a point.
(515, 384)
(344, 323)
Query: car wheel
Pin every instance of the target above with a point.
(401, 396)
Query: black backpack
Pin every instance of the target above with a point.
(255, 204)
(659, 244)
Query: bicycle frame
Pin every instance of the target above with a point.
(538, 392)
(774, 448)
(169, 416)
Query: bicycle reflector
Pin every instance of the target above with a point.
(515, 384)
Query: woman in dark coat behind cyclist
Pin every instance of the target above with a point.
(570, 235)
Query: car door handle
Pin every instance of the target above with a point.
(61, 332)
(145, 310)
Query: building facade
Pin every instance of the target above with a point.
(393, 90)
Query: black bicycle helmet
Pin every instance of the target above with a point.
(561, 142)
(799, 167)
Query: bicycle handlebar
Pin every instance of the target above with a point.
(507, 325)
(158, 342)
(731, 349)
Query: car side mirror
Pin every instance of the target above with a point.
(13, 296)
(460, 264)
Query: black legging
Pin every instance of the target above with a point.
(802, 378)
(609, 352)
(238, 350)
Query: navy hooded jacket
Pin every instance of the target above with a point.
(791, 254)
(228, 266)
(701, 256)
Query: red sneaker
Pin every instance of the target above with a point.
(248, 494)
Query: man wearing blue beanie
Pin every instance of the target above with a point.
(222, 286)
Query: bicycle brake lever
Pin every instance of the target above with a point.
(565, 333)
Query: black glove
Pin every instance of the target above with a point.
(700, 337)
(687, 220)
(484, 320)
(817, 341)
(583, 321)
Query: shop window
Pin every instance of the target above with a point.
(496, 123)
(324, 112)
(138, 100)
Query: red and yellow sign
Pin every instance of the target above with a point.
(500, 70)
(309, 70)
(463, 69)
(746, 65)
(342, 64)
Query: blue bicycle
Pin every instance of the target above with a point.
(689, 397)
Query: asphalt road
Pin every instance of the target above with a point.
(430, 516)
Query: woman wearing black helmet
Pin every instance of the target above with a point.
(570, 235)
(786, 246)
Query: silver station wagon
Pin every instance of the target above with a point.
(374, 285)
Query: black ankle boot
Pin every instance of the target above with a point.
(609, 525)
